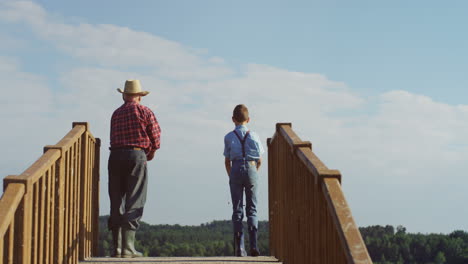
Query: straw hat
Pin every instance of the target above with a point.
(133, 87)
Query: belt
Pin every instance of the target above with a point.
(121, 148)
(251, 162)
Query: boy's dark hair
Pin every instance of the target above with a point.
(240, 113)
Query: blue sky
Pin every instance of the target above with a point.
(378, 87)
(414, 45)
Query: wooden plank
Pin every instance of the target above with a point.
(90, 208)
(74, 205)
(90, 212)
(11, 243)
(69, 139)
(83, 194)
(66, 223)
(2, 248)
(24, 217)
(351, 239)
(88, 205)
(9, 203)
(41, 237)
(37, 169)
(47, 184)
(35, 225)
(94, 215)
(289, 135)
(59, 209)
(187, 260)
(76, 199)
(50, 215)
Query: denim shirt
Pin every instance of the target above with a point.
(233, 147)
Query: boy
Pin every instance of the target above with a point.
(242, 151)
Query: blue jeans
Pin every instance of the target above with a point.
(244, 177)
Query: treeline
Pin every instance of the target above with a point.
(211, 239)
(385, 244)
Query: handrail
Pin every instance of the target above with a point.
(50, 211)
(310, 220)
(13, 195)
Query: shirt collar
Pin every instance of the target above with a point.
(241, 127)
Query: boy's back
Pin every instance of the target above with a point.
(233, 145)
(242, 152)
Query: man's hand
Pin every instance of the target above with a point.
(150, 155)
(259, 163)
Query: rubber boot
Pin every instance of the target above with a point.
(254, 252)
(239, 249)
(116, 242)
(128, 242)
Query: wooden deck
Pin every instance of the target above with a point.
(185, 260)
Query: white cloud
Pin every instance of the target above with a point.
(113, 46)
(10, 43)
(395, 160)
(404, 162)
(22, 93)
(26, 103)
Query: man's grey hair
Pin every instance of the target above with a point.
(130, 97)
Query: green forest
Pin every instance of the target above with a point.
(211, 239)
(385, 244)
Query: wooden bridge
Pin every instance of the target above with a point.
(49, 213)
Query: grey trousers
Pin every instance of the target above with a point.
(128, 180)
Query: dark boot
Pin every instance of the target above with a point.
(116, 242)
(254, 252)
(239, 249)
(128, 243)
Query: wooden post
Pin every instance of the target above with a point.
(270, 198)
(11, 243)
(96, 182)
(52, 214)
(1, 251)
(59, 203)
(24, 220)
(83, 194)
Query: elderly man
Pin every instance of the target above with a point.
(134, 139)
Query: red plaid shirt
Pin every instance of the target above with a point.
(134, 125)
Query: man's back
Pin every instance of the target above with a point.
(133, 124)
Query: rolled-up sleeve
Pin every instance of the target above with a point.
(227, 147)
(153, 130)
(260, 148)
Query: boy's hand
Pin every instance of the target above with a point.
(259, 163)
(227, 164)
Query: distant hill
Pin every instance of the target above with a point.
(385, 244)
(210, 239)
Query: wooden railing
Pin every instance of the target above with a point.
(310, 220)
(49, 213)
